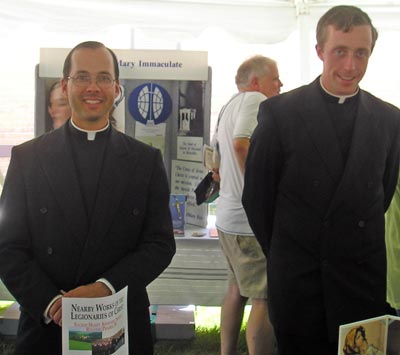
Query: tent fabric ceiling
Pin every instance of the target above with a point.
(250, 21)
(179, 19)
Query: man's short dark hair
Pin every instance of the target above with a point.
(344, 18)
(92, 45)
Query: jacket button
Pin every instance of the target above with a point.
(43, 210)
(49, 251)
(135, 211)
(361, 224)
(316, 183)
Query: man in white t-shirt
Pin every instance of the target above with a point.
(257, 79)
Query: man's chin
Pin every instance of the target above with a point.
(347, 92)
(94, 118)
(347, 87)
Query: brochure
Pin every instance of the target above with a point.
(374, 336)
(95, 325)
(211, 157)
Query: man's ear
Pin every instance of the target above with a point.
(117, 88)
(320, 52)
(64, 85)
(254, 83)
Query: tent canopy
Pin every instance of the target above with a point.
(247, 21)
(229, 30)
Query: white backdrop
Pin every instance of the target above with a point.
(230, 30)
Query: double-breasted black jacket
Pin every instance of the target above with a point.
(320, 219)
(46, 241)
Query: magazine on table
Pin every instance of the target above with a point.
(374, 336)
(95, 325)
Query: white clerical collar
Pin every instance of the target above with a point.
(91, 135)
(341, 98)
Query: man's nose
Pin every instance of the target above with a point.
(93, 86)
(349, 61)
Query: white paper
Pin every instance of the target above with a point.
(95, 325)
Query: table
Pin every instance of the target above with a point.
(197, 274)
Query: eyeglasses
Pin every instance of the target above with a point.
(102, 80)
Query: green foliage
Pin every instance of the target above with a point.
(206, 341)
(84, 336)
(7, 345)
(79, 345)
(4, 305)
(207, 336)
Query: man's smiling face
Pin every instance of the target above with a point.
(345, 58)
(91, 104)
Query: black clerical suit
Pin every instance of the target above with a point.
(72, 214)
(316, 202)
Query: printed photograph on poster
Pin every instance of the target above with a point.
(185, 176)
(191, 108)
(58, 110)
(95, 325)
(177, 206)
(151, 134)
(57, 107)
(378, 336)
(190, 148)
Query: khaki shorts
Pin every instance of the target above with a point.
(247, 266)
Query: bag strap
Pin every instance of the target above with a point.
(220, 116)
(223, 109)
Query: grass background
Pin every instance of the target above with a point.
(205, 341)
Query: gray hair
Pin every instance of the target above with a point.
(255, 66)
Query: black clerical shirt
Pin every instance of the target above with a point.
(88, 150)
(342, 113)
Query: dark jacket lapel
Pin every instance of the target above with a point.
(361, 151)
(55, 156)
(118, 162)
(321, 131)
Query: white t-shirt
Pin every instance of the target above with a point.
(238, 120)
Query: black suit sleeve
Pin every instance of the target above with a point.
(263, 170)
(19, 270)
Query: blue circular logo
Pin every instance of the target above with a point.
(150, 102)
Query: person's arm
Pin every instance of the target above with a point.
(245, 125)
(261, 179)
(19, 271)
(241, 148)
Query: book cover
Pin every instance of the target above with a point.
(177, 207)
(95, 325)
(374, 336)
